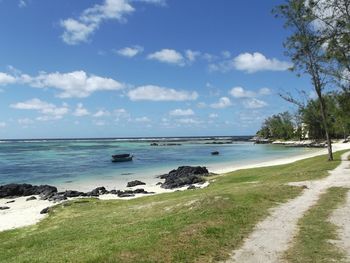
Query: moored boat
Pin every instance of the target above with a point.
(122, 157)
(215, 153)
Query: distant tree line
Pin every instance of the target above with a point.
(307, 122)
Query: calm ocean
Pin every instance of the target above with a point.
(60, 162)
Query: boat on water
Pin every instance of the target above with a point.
(215, 153)
(122, 158)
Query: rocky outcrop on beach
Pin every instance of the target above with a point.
(184, 175)
(50, 193)
(17, 190)
(135, 183)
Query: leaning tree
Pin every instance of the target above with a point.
(306, 48)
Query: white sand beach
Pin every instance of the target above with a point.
(24, 213)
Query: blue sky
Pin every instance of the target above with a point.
(120, 68)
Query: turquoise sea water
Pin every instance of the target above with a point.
(69, 161)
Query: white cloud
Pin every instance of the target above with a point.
(6, 79)
(264, 91)
(258, 62)
(250, 63)
(156, 93)
(188, 121)
(169, 56)
(80, 111)
(192, 55)
(254, 104)
(181, 112)
(130, 51)
(76, 84)
(101, 113)
(22, 3)
(99, 123)
(226, 54)
(209, 57)
(121, 113)
(223, 102)
(25, 121)
(239, 92)
(80, 29)
(213, 116)
(3, 124)
(143, 119)
(157, 2)
(50, 111)
(201, 105)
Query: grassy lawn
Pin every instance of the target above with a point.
(312, 243)
(201, 225)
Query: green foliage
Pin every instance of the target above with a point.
(338, 117)
(278, 126)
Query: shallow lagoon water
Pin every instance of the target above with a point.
(60, 162)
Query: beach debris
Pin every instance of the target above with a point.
(31, 198)
(135, 183)
(184, 175)
(11, 201)
(4, 207)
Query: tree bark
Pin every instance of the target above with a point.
(325, 126)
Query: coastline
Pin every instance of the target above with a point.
(24, 213)
(283, 160)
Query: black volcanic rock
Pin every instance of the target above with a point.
(72, 193)
(17, 190)
(184, 175)
(135, 183)
(31, 198)
(45, 210)
(125, 195)
(97, 191)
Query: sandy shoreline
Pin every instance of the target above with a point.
(24, 213)
(280, 161)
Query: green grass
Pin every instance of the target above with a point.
(312, 244)
(193, 226)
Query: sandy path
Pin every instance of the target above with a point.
(341, 218)
(272, 236)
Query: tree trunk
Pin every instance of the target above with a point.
(325, 126)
